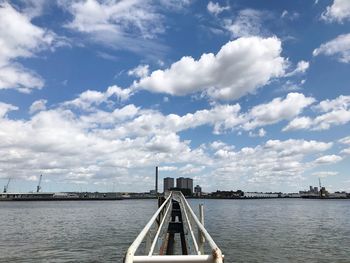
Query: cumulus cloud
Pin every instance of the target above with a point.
(333, 112)
(140, 71)
(328, 159)
(345, 140)
(324, 174)
(298, 123)
(215, 8)
(167, 168)
(5, 108)
(301, 68)
(239, 68)
(338, 11)
(274, 161)
(68, 146)
(97, 143)
(191, 169)
(338, 47)
(260, 133)
(37, 105)
(90, 98)
(278, 109)
(19, 38)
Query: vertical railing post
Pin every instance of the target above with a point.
(201, 239)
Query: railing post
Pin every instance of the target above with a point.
(201, 239)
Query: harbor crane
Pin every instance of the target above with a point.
(38, 188)
(6, 187)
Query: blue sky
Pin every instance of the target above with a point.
(250, 95)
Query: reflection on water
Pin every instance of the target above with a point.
(246, 230)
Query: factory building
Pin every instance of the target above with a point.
(184, 183)
(168, 183)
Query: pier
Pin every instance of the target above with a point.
(174, 234)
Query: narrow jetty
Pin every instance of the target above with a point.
(174, 234)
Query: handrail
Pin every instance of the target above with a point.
(191, 231)
(192, 221)
(134, 246)
(215, 249)
(159, 229)
(175, 259)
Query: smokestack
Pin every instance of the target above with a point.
(156, 179)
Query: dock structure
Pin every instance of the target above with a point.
(174, 234)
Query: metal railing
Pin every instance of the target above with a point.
(190, 222)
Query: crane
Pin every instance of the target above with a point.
(7, 185)
(39, 187)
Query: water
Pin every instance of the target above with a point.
(275, 230)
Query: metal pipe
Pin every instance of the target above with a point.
(201, 238)
(215, 249)
(159, 229)
(134, 246)
(175, 259)
(191, 231)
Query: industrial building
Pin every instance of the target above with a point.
(168, 183)
(185, 183)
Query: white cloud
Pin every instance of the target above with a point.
(301, 68)
(298, 124)
(125, 24)
(14, 76)
(278, 109)
(19, 38)
(125, 143)
(345, 151)
(141, 71)
(167, 168)
(90, 98)
(215, 8)
(191, 169)
(338, 47)
(291, 16)
(248, 22)
(345, 140)
(291, 146)
(37, 105)
(274, 162)
(176, 5)
(239, 68)
(324, 174)
(34, 8)
(328, 159)
(342, 102)
(5, 108)
(260, 133)
(334, 112)
(338, 11)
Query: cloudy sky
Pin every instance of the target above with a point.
(239, 94)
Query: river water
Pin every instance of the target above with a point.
(276, 230)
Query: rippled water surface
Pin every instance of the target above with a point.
(246, 230)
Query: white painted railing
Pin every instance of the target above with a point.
(190, 222)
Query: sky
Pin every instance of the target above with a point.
(245, 94)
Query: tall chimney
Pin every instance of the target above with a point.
(156, 179)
